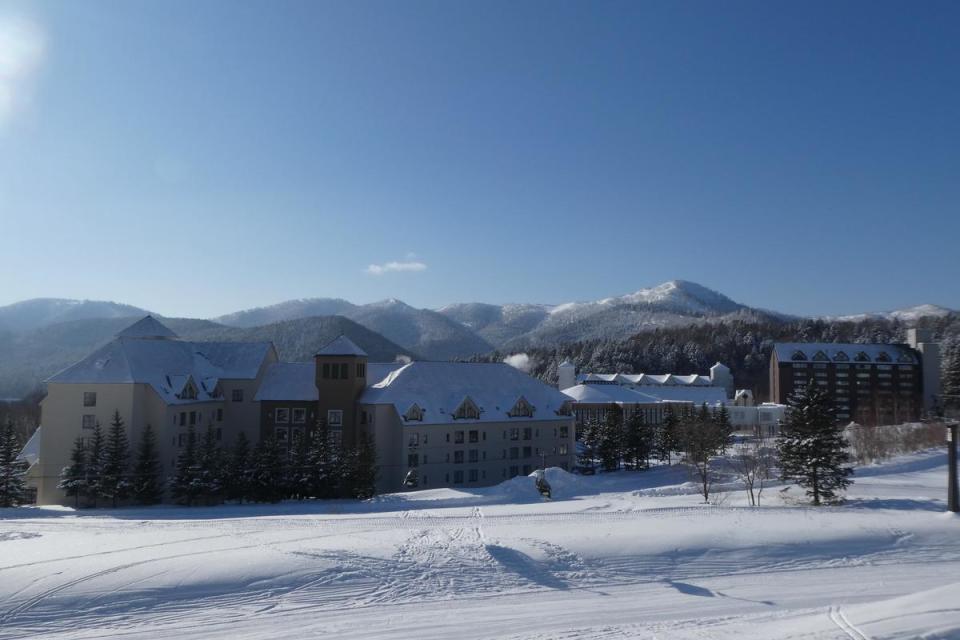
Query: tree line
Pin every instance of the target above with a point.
(103, 470)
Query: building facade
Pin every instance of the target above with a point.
(435, 424)
(870, 384)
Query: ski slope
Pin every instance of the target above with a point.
(618, 556)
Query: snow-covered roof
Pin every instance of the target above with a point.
(147, 327)
(645, 379)
(167, 364)
(31, 451)
(342, 346)
(844, 352)
(439, 388)
(295, 381)
(628, 394)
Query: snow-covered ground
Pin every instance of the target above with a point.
(619, 556)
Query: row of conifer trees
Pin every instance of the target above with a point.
(317, 465)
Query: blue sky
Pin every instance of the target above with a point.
(198, 158)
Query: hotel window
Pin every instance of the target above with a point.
(474, 476)
(521, 409)
(474, 436)
(473, 456)
(819, 366)
(884, 367)
(413, 440)
(344, 371)
(458, 457)
(282, 416)
(467, 410)
(527, 452)
(237, 395)
(514, 453)
(414, 413)
(413, 460)
(841, 357)
(458, 437)
(89, 421)
(183, 418)
(563, 449)
(361, 370)
(299, 416)
(219, 415)
(89, 398)
(564, 432)
(883, 356)
(527, 433)
(458, 477)
(281, 435)
(335, 417)
(515, 433)
(325, 371)
(193, 418)
(799, 366)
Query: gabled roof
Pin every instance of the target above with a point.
(147, 327)
(342, 346)
(31, 451)
(901, 353)
(602, 393)
(167, 364)
(294, 381)
(440, 387)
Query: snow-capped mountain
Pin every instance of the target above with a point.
(908, 314)
(422, 331)
(43, 312)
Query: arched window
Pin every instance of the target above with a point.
(820, 356)
(798, 355)
(467, 410)
(521, 409)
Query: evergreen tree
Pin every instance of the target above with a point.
(146, 487)
(320, 478)
(12, 487)
(721, 418)
(74, 477)
(115, 484)
(811, 447)
(638, 440)
(951, 379)
(237, 472)
(209, 477)
(266, 472)
(96, 456)
(186, 487)
(298, 473)
(610, 442)
(364, 473)
(590, 434)
(668, 435)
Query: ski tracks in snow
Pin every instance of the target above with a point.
(838, 618)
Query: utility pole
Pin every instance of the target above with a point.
(953, 500)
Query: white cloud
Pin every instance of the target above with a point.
(519, 361)
(391, 267)
(22, 49)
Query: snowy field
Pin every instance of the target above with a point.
(619, 556)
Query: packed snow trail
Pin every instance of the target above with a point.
(603, 560)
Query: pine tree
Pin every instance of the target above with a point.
(321, 463)
(364, 472)
(812, 449)
(590, 434)
(721, 418)
(209, 476)
(611, 438)
(638, 440)
(12, 487)
(266, 472)
(298, 473)
(668, 435)
(74, 477)
(96, 456)
(237, 473)
(951, 379)
(185, 487)
(116, 457)
(146, 487)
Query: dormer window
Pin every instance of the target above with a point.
(905, 358)
(862, 357)
(820, 356)
(566, 409)
(189, 391)
(414, 413)
(522, 409)
(467, 410)
(798, 355)
(883, 356)
(841, 357)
